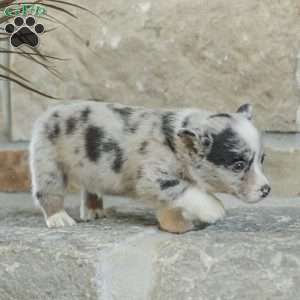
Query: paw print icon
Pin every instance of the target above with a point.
(24, 31)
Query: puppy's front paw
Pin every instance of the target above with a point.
(212, 213)
(172, 220)
(60, 219)
(198, 205)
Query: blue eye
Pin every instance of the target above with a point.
(239, 166)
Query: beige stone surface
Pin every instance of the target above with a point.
(282, 168)
(252, 254)
(212, 54)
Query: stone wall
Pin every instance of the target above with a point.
(212, 54)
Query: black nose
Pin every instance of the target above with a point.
(265, 190)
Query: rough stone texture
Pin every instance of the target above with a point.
(252, 254)
(211, 54)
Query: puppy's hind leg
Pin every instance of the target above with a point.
(51, 201)
(50, 197)
(54, 213)
(91, 206)
(48, 184)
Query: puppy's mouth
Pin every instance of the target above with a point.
(248, 199)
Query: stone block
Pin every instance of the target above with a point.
(252, 254)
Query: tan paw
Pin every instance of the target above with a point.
(171, 220)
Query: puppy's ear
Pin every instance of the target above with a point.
(188, 138)
(196, 142)
(246, 110)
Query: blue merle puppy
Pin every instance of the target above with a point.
(174, 159)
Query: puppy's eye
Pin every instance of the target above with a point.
(262, 158)
(239, 166)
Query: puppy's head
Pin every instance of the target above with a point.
(225, 153)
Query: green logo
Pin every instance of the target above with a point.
(25, 10)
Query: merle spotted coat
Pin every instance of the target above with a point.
(173, 159)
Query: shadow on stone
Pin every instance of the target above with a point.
(266, 219)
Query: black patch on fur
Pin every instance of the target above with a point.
(112, 145)
(71, 125)
(243, 108)
(119, 159)
(221, 116)
(125, 113)
(93, 140)
(167, 129)
(223, 148)
(168, 183)
(56, 115)
(249, 164)
(109, 146)
(142, 149)
(185, 122)
(95, 144)
(54, 132)
(38, 195)
(84, 116)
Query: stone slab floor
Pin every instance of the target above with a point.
(253, 254)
